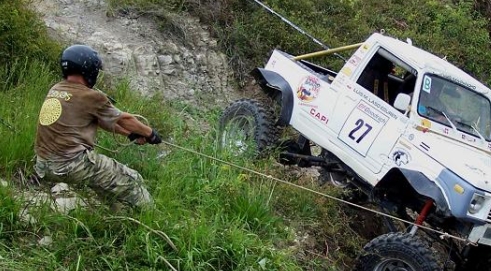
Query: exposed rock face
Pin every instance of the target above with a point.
(182, 61)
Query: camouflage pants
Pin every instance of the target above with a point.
(110, 179)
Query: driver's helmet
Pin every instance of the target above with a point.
(82, 60)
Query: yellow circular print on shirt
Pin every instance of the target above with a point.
(50, 111)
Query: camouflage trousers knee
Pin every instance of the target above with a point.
(110, 179)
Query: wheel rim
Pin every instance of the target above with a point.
(394, 265)
(238, 135)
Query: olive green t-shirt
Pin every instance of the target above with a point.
(69, 118)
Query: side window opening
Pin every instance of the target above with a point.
(386, 77)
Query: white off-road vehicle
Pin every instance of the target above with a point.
(407, 127)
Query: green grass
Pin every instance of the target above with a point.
(217, 216)
(19, 109)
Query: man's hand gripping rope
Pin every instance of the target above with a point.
(153, 139)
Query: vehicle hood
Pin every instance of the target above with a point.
(470, 163)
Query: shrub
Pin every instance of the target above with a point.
(23, 36)
(247, 33)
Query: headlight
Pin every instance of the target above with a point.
(477, 202)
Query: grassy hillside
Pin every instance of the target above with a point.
(455, 29)
(217, 217)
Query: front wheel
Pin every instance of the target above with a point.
(396, 251)
(247, 127)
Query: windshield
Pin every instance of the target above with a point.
(451, 104)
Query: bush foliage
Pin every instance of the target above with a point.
(23, 36)
(247, 32)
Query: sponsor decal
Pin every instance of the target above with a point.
(354, 60)
(379, 105)
(427, 84)
(468, 138)
(319, 116)
(405, 144)
(401, 157)
(347, 71)
(459, 81)
(373, 113)
(477, 170)
(422, 129)
(426, 123)
(309, 89)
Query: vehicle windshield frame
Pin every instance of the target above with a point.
(452, 104)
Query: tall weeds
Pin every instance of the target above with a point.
(20, 103)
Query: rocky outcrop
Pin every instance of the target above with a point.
(181, 61)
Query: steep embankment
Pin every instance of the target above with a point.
(181, 62)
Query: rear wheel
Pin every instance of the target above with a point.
(247, 127)
(396, 252)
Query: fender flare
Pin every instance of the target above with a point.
(271, 82)
(421, 184)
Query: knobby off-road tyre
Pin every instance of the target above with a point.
(247, 127)
(396, 251)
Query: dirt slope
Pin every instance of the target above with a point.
(184, 65)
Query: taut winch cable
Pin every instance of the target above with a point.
(323, 45)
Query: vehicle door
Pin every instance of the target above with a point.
(366, 124)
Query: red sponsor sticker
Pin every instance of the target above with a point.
(319, 116)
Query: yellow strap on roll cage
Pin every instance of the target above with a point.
(328, 52)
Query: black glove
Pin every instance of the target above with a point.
(154, 138)
(134, 136)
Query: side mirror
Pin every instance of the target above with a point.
(402, 102)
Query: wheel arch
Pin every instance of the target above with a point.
(272, 83)
(411, 184)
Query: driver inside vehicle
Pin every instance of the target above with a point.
(430, 103)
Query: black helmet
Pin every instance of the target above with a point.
(82, 60)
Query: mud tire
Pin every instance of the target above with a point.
(247, 126)
(396, 251)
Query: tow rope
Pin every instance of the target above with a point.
(441, 234)
(323, 45)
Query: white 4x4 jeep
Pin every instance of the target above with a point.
(407, 127)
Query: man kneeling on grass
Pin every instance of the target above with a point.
(68, 122)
